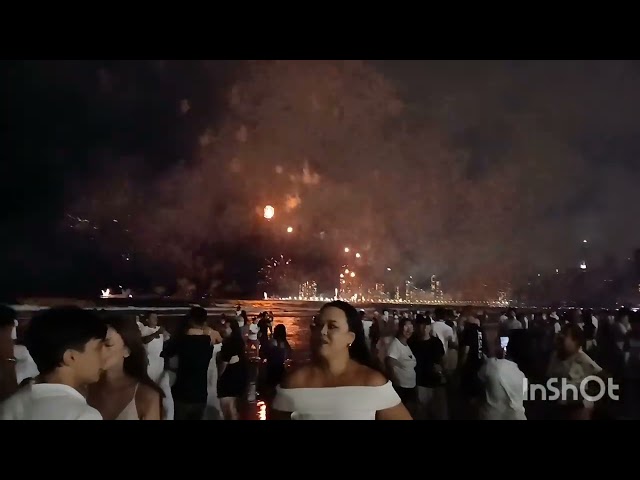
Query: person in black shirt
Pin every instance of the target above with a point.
(194, 347)
(429, 353)
(232, 371)
(473, 350)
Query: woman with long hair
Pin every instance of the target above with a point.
(276, 354)
(232, 369)
(125, 391)
(401, 364)
(340, 382)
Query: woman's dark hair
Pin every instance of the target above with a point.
(135, 365)
(236, 331)
(401, 323)
(358, 350)
(243, 314)
(280, 335)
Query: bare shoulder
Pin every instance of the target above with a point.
(147, 395)
(372, 378)
(299, 378)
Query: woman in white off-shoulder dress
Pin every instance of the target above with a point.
(339, 383)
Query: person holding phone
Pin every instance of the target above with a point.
(504, 384)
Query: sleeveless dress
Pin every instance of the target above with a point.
(130, 412)
(335, 403)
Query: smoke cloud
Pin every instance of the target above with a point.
(477, 172)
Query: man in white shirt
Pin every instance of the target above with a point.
(556, 322)
(504, 388)
(443, 331)
(154, 336)
(67, 346)
(366, 325)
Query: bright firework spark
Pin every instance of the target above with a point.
(289, 229)
(269, 212)
(358, 255)
(346, 249)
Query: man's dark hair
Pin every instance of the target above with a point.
(197, 315)
(7, 316)
(51, 333)
(440, 313)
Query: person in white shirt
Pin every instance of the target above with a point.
(504, 386)
(153, 338)
(366, 324)
(25, 366)
(571, 364)
(67, 345)
(339, 383)
(556, 322)
(447, 336)
(401, 364)
(512, 322)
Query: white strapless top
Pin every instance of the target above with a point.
(335, 403)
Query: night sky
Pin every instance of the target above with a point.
(477, 171)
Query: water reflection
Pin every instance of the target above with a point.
(298, 334)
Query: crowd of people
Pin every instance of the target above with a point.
(470, 365)
(71, 363)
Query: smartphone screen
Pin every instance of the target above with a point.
(504, 341)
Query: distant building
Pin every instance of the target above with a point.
(308, 289)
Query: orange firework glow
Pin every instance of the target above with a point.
(269, 212)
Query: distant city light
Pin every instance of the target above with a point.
(269, 212)
(346, 249)
(289, 229)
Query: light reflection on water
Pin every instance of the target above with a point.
(298, 334)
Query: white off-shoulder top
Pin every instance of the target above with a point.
(335, 403)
